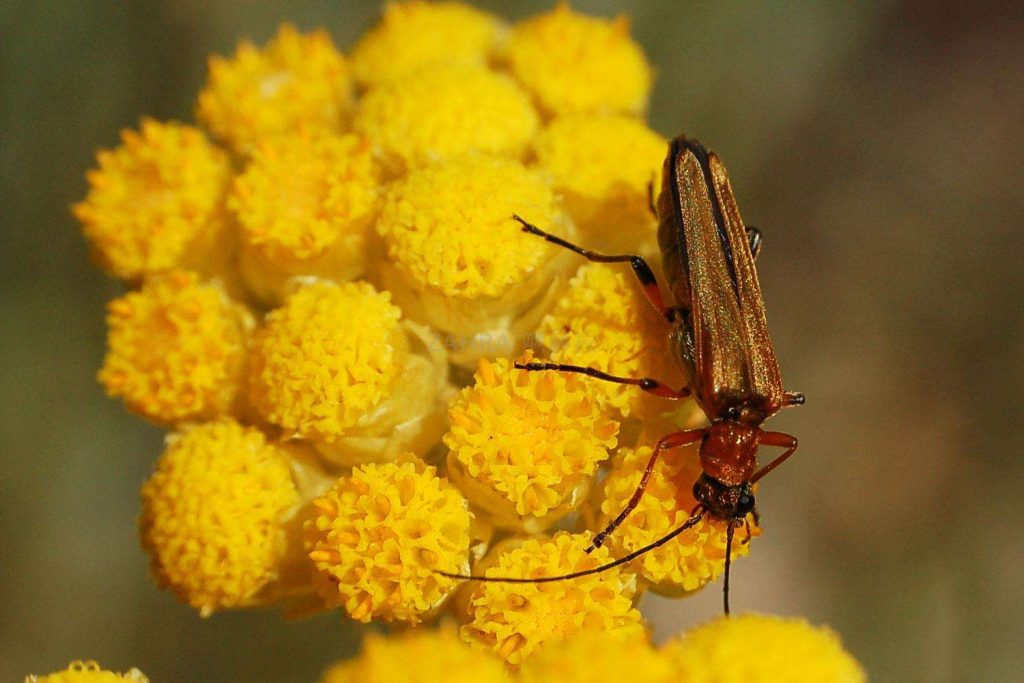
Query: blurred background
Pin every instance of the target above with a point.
(878, 145)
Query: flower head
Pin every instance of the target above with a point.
(89, 672)
(486, 285)
(576, 64)
(295, 80)
(414, 34)
(381, 536)
(446, 112)
(525, 445)
(420, 655)
(516, 620)
(604, 166)
(605, 322)
(213, 514)
(176, 349)
(721, 651)
(690, 560)
(327, 358)
(598, 658)
(305, 204)
(156, 202)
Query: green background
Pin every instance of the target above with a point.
(879, 147)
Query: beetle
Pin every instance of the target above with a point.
(718, 332)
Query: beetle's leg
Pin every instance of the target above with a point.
(755, 239)
(642, 271)
(650, 198)
(651, 386)
(793, 398)
(673, 440)
(775, 439)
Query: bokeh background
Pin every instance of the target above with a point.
(878, 145)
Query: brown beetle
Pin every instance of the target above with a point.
(720, 335)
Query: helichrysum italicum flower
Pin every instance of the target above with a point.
(335, 361)
(604, 321)
(305, 204)
(446, 112)
(157, 202)
(414, 35)
(690, 560)
(599, 658)
(419, 655)
(489, 277)
(516, 620)
(89, 672)
(413, 185)
(726, 651)
(605, 167)
(295, 80)
(525, 446)
(577, 64)
(214, 513)
(176, 349)
(381, 536)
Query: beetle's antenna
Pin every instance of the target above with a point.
(728, 564)
(595, 570)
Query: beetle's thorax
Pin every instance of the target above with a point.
(728, 452)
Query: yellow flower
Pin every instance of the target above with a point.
(415, 34)
(381, 536)
(485, 286)
(445, 112)
(524, 446)
(576, 64)
(176, 349)
(336, 362)
(305, 204)
(598, 658)
(515, 619)
(689, 561)
(604, 166)
(213, 515)
(156, 202)
(604, 321)
(296, 80)
(726, 651)
(427, 655)
(88, 672)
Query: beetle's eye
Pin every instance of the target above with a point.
(744, 504)
(733, 413)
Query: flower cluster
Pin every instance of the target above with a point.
(327, 299)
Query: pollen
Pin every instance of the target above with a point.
(720, 651)
(156, 202)
(598, 658)
(604, 321)
(176, 349)
(419, 655)
(606, 168)
(446, 112)
(415, 35)
(326, 358)
(213, 513)
(577, 64)
(295, 80)
(381, 536)
(89, 672)
(525, 445)
(516, 620)
(305, 204)
(690, 560)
